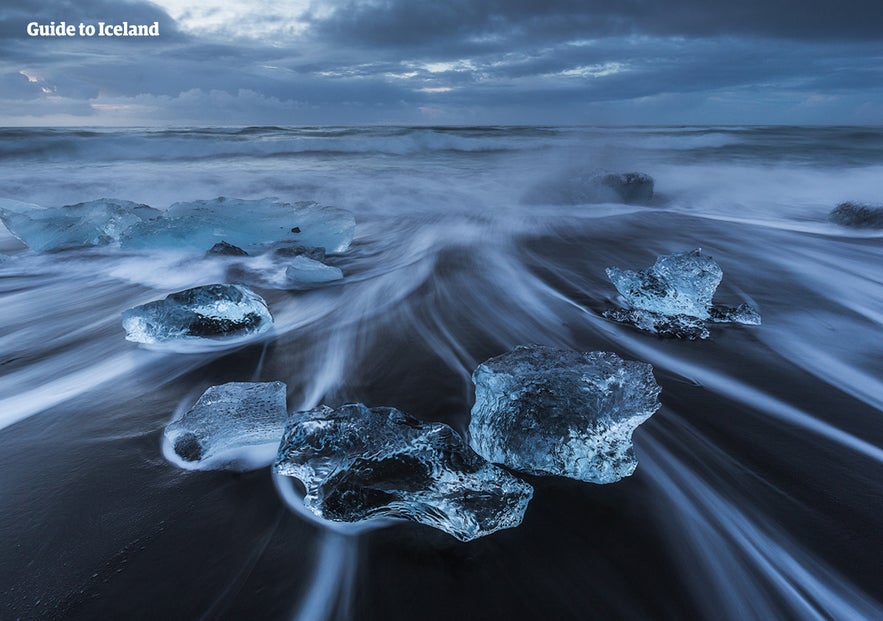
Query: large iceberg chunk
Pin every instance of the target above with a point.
(551, 411)
(673, 297)
(578, 186)
(93, 223)
(248, 224)
(858, 215)
(359, 463)
(207, 312)
(228, 418)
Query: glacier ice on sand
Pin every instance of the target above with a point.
(673, 297)
(561, 412)
(359, 463)
(229, 418)
(278, 271)
(93, 223)
(250, 225)
(210, 312)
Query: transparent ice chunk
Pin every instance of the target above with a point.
(306, 273)
(274, 271)
(230, 420)
(742, 313)
(669, 326)
(93, 223)
(673, 297)
(677, 284)
(248, 224)
(358, 463)
(551, 411)
(208, 312)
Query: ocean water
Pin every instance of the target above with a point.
(758, 492)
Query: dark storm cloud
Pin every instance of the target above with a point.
(490, 23)
(406, 61)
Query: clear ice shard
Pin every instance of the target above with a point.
(734, 314)
(274, 271)
(668, 326)
(358, 463)
(93, 223)
(251, 225)
(229, 418)
(306, 273)
(858, 215)
(580, 185)
(208, 312)
(551, 411)
(677, 284)
(673, 297)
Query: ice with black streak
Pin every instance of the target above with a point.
(358, 463)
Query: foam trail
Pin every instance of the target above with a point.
(329, 595)
(332, 583)
(24, 404)
(744, 555)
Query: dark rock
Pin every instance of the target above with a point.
(858, 215)
(228, 250)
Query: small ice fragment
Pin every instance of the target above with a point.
(222, 248)
(249, 224)
(273, 271)
(358, 463)
(742, 313)
(682, 283)
(238, 415)
(305, 273)
(668, 326)
(207, 312)
(561, 412)
(579, 186)
(858, 215)
(93, 223)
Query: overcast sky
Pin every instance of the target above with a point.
(303, 62)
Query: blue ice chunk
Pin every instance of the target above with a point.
(669, 326)
(682, 283)
(229, 420)
(209, 312)
(560, 412)
(673, 297)
(274, 271)
(251, 225)
(742, 313)
(93, 223)
(358, 463)
(306, 273)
